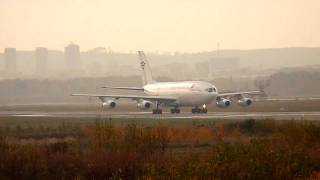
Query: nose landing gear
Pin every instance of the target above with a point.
(199, 110)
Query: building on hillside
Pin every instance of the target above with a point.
(73, 61)
(72, 56)
(41, 54)
(10, 58)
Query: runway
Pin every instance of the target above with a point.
(277, 110)
(167, 115)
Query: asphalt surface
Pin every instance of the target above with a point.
(282, 110)
(167, 115)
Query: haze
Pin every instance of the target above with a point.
(159, 26)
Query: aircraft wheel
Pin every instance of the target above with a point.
(157, 111)
(175, 111)
(204, 110)
(196, 110)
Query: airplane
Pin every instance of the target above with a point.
(196, 94)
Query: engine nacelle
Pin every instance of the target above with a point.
(144, 104)
(223, 103)
(109, 103)
(245, 102)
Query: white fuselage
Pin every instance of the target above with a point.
(187, 93)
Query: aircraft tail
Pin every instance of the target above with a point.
(146, 70)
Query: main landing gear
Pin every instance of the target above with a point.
(175, 110)
(199, 110)
(157, 110)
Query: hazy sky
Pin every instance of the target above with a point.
(159, 25)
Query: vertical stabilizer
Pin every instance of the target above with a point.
(146, 70)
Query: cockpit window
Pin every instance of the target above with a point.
(211, 90)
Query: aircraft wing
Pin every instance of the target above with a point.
(161, 99)
(294, 99)
(236, 94)
(124, 88)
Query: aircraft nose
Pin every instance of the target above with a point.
(212, 96)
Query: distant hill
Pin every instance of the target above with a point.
(101, 62)
(272, 58)
(265, 58)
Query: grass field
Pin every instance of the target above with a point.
(107, 148)
(151, 149)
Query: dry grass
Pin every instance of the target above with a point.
(232, 150)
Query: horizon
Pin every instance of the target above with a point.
(164, 52)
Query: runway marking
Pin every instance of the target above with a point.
(31, 115)
(168, 115)
(232, 116)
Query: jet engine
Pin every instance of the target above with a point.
(109, 103)
(245, 102)
(144, 104)
(223, 103)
